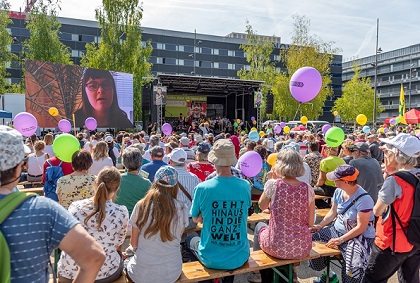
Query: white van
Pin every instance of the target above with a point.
(313, 126)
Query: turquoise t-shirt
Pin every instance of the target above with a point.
(223, 203)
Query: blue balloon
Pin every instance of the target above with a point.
(366, 129)
(254, 136)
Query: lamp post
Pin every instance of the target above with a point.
(377, 51)
(409, 85)
(195, 45)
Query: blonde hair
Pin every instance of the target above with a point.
(48, 139)
(100, 151)
(159, 205)
(107, 182)
(289, 163)
(39, 145)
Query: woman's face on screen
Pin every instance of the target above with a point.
(100, 93)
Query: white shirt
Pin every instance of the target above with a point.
(98, 165)
(189, 181)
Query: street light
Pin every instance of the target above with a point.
(195, 44)
(378, 50)
(409, 85)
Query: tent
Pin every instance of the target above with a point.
(5, 114)
(412, 116)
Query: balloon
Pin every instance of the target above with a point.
(235, 124)
(304, 120)
(269, 131)
(253, 135)
(250, 163)
(386, 130)
(25, 123)
(277, 129)
(254, 122)
(64, 146)
(252, 118)
(366, 129)
(91, 123)
(385, 126)
(282, 124)
(271, 159)
(253, 129)
(262, 134)
(325, 128)
(305, 84)
(64, 125)
(53, 111)
(334, 136)
(361, 119)
(167, 129)
(392, 121)
(335, 113)
(286, 129)
(243, 132)
(238, 121)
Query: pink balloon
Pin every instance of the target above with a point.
(305, 84)
(250, 163)
(325, 128)
(64, 126)
(282, 124)
(277, 129)
(25, 123)
(167, 129)
(91, 123)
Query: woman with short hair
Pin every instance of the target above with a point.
(36, 161)
(100, 158)
(48, 140)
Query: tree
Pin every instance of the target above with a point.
(305, 50)
(44, 42)
(120, 48)
(6, 56)
(354, 99)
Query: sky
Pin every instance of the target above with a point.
(349, 24)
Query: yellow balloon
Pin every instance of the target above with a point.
(238, 121)
(335, 113)
(286, 129)
(53, 111)
(271, 159)
(304, 120)
(254, 122)
(262, 133)
(253, 129)
(361, 119)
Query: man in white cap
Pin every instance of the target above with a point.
(221, 204)
(183, 143)
(39, 225)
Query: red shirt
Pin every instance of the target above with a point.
(66, 166)
(201, 170)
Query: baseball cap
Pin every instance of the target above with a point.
(184, 141)
(12, 148)
(166, 176)
(157, 151)
(408, 144)
(109, 139)
(203, 148)
(360, 146)
(343, 172)
(372, 136)
(198, 138)
(178, 155)
(223, 153)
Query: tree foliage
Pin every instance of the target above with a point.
(356, 98)
(6, 56)
(120, 48)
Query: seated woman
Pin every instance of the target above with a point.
(292, 209)
(100, 158)
(79, 184)
(353, 232)
(158, 221)
(106, 222)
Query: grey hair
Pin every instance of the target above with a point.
(132, 159)
(154, 140)
(278, 146)
(289, 163)
(401, 157)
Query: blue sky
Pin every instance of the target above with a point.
(350, 24)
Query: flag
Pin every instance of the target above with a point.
(401, 107)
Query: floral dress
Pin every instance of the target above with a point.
(287, 236)
(71, 188)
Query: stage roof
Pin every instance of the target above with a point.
(208, 85)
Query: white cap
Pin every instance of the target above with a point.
(178, 155)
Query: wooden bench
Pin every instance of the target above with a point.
(258, 217)
(322, 212)
(37, 183)
(39, 191)
(322, 197)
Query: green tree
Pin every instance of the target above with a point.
(305, 50)
(120, 48)
(6, 56)
(354, 100)
(44, 42)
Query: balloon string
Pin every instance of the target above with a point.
(297, 110)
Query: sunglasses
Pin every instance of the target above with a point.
(94, 86)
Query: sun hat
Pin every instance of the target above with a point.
(343, 172)
(184, 141)
(223, 153)
(166, 176)
(109, 139)
(360, 146)
(178, 155)
(203, 147)
(408, 144)
(12, 148)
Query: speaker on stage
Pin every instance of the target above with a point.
(269, 102)
(146, 96)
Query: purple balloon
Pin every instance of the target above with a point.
(392, 121)
(250, 163)
(282, 124)
(25, 123)
(167, 129)
(252, 118)
(91, 123)
(325, 128)
(64, 126)
(305, 84)
(277, 129)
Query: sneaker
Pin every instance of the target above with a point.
(254, 277)
(323, 278)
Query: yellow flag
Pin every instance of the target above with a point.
(401, 107)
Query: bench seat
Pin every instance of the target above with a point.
(39, 191)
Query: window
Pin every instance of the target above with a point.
(65, 36)
(206, 64)
(206, 50)
(169, 61)
(181, 62)
(239, 53)
(160, 46)
(181, 48)
(231, 53)
(215, 65)
(171, 47)
(189, 63)
(153, 60)
(97, 39)
(188, 49)
(159, 60)
(223, 52)
(75, 37)
(239, 66)
(223, 65)
(231, 66)
(215, 51)
(75, 53)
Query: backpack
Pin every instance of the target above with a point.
(112, 155)
(52, 174)
(7, 206)
(412, 232)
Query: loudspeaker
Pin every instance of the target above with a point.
(269, 102)
(146, 97)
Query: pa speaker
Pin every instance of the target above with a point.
(269, 103)
(146, 95)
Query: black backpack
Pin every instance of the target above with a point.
(412, 232)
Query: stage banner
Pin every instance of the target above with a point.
(159, 95)
(180, 104)
(85, 92)
(258, 99)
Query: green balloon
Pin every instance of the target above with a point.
(334, 136)
(64, 146)
(235, 124)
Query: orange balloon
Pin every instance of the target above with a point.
(271, 159)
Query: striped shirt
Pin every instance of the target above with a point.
(189, 181)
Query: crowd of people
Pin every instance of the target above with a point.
(157, 188)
